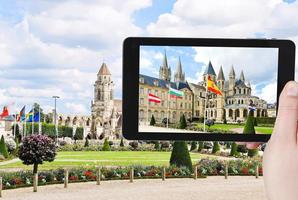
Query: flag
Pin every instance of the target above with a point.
(4, 113)
(153, 98)
(175, 93)
(212, 87)
(22, 115)
(29, 116)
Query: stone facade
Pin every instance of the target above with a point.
(232, 106)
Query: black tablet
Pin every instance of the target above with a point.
(203, 89)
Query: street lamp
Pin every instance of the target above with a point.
(55, 117)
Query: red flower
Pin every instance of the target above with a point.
(73, 178)
(244, 170)
(260, 170)
(89, 174)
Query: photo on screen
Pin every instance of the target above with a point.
(207, 89)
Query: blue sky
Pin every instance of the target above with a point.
(55, 47)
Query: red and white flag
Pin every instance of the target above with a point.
(153, 98)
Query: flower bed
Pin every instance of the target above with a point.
(206, 167)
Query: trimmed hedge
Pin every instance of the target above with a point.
(49, 130)
(266, 120)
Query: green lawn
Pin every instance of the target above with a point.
(104, 158)
(229, 127)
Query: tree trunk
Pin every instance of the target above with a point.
(35, 168)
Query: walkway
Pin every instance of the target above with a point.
(211, 188)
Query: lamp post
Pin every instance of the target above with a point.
(55, 117)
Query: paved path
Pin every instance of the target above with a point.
(211, 188)
(144, 128)
(9, 161)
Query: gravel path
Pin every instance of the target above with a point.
(9, 161)
(211, 188)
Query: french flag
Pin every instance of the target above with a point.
(153, 98)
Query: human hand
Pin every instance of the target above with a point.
(280, 159)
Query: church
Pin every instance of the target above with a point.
(232, 106)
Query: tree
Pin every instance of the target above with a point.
(134, 145)
(121, 143)
(106, 145)
(216, 147)
(201, 146)
(193, 146)
(3, 148)
(17, 133)
(152, 121)
(182, 122)
(157, 145)
(209, 122)
(242, 149)
(36, 149)
(233, 151)
(180, 155)
(252, 152)
(250, 129)
(79, 135)
(36, 110)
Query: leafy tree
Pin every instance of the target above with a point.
(86, 142)
(152, 121)
(233, 151)
(216, 147)
(3, 148)
(79, 135)
(201, 146)
(36, 149)
(180, 155)
(106, 145)
(193, 146)
(182, 122)
(36, 110)
(121, 143)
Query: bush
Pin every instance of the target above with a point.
(152, 121)
(36, 149)
(193, 146)
(86, 142)
(242, 149)
(180, 155)
(121, 143)
(209, 122)
(208, 145)
(216, 147)
(3, 148)
(249, 125)
(201, 146)
(134, 145)
(233, 151)
(157, 145)
(106, 145)
(10, 144)
(266, 120)
(182, 122)
(164, 144)
(252, 152)
(79, 135)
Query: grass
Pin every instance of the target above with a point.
(229, 127)
(105, 158)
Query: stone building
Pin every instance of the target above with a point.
(232, 105)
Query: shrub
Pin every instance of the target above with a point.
(182, 122)
(152, 121)
(3, 148)
(266, 120)
(106, 145)
(157, 145)
(216, 147)
(86, 142)
(225, 121)
(242, 149)
(252, 152)
(10, 144)
(79, 135)
(208, 145)
(233, 151)
(164, 144)
(121, 143)
(255, 122)
(209, 122)
(249, 125)
(201, 146)
(180, 155)
(134, 145)
(193, 146)
(36, 149)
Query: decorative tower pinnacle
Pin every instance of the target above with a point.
(179, 75)
(242, 76)
(164, 69)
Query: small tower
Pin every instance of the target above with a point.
(220, 98)
(220, 79)
(231, 81)
(165, 70)
(209, 71)
(242, 76)
(179, 75)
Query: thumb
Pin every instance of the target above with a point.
(285, 128)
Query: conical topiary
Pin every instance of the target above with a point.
(201, 146)
(233, 151)
(86, 142)
(121, 143)
(157, 145)
(215, 147)
(180, 155)
(3, 148)
(106, 145)
(182, 122)
(249, 128)
(193, 146)
(152, 121)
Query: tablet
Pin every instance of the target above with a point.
(203, 89)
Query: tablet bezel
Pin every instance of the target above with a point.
(130, 91)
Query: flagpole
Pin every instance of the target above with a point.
(168, 110)
(39, 125)
(15, 122)
(205, 111)
(25, 126)
(147, 121)
(32, 122)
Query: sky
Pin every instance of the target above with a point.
(56, 47)
(254, 62)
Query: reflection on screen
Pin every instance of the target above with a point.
(207, 89)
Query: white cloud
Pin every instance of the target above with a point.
(78, 109)
(268, 92)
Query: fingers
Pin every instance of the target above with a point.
(285, 128)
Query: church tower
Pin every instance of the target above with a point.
(179, 75)
(231, 81)
(103, 103)
(209, 71)
(165, 70)
(220, 98)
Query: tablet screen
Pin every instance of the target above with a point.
(207, 89)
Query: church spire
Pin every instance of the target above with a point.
(232, 73)
(165, 60)
(220, 75)
(242, 76)
(179, 75)
(209, 69)
(164, 69)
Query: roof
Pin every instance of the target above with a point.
(104, 70)
(220, 74)
(209, 69)
(232, 72)
(148, 80)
